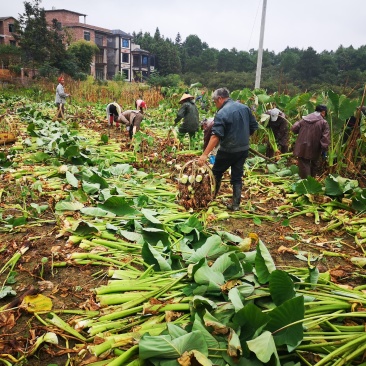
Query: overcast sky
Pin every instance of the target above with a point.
(320, 24)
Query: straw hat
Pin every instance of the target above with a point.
(186, 96)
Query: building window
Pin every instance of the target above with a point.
(99, 40)
(99, 57)
(145, 60)
(11, 27)
(99, 73)
(87, 36)
(125, 57)
(125, 43)
(126, 73)
(136, 60)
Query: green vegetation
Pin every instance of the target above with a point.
(291, 71)
(179, 289)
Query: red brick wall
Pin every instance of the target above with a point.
(4, 30)
(78, 33)
(63, 17)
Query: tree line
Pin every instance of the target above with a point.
(291, 71)
(189, 61)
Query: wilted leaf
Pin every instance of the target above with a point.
(36, 303)
(282, 249)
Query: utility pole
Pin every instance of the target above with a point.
(260, 49)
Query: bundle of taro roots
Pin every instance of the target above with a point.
(196, 185)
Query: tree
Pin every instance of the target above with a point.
(309, 65)
(157, 36)
(178, 40)
(208, 60)
(10, 56)
(245, 62)
(82, 52)
(193, 46)
(167, 58)
(32, 33)
(56, 44)
(226, 60)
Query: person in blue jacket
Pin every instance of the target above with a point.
(234, 123)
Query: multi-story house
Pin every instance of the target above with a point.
(6, 30)
(117, 54)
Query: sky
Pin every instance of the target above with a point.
(320, 24)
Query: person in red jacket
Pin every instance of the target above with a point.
(312, 141)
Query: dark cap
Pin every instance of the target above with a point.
(321, 108)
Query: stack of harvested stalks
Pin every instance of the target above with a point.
(196, 185)
(8, 130)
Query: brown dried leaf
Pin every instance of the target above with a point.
(7, 320)
(282, 249)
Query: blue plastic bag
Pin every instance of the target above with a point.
(212, 159)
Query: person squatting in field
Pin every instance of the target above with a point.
(60, 99)
(233, 124)
(113, 111)
(140, 104)
(132, 119)
(312, 141)
(189, 113)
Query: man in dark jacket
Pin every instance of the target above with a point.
(312, 141)
(189, 113)
(233, 124)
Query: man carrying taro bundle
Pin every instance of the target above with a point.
(234, 123)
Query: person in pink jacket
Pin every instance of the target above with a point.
(312, 141)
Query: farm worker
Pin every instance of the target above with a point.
(233, 124)
(113, 111)
(350, 124)
(61, 96)
(280, 128)
(189, 113)
(312, 141)
(207, 131)
(140, 104)
(203, 102)
(132, 119)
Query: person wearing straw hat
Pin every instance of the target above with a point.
(189, 113)
(61, 96)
